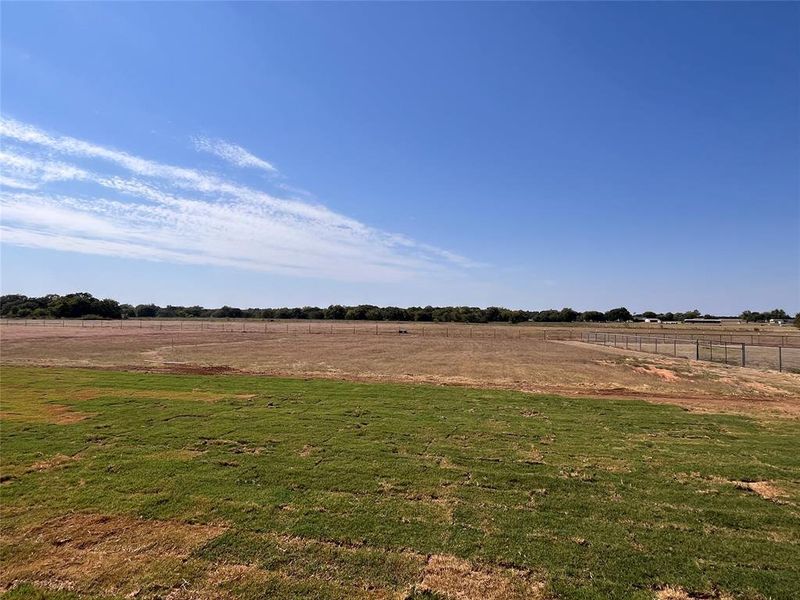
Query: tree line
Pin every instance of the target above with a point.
(83, 305)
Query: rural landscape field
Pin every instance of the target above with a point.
(216, 464)
(387, 300)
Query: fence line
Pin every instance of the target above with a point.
(405, 327)
(780, 358)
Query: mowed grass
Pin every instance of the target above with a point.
(117, 483)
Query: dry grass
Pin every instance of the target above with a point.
(528, 364)
(768, 490)
(676, 593)
(460, 580)
(110, 554)
(145, 558)
(48, 413)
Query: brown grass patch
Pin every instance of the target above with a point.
(217, 582)
(53, 462)
(44, 412)
(306, 451)
(532, 456)
(765, 489)
(677, 593)
(196, 395)
(459, 579)
(768, 490)
(107, 554)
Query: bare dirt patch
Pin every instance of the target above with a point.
(664, 374)
(765, 489)
(459, 579)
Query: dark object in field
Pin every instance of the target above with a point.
(402, 331)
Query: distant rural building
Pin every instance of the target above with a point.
(650, 320)
(701, 321)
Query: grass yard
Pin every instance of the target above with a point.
(118, 483)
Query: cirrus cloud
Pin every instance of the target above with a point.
(63, 193)
(235, 155)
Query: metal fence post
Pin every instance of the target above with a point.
(743, 355)
(697, 349)
(780, 358)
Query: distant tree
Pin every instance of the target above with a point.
(618, 314)
(193, 311)
(335, 311)
(567, 315)
(146, 310)
(423, 314)
(373, 314)
(108, 309)
(592, 316)
(492, 314)
(393, 313)
(313, 312)
(227, 312)
(84, 305)
(168, 312)
(797, 320)
(517, 316)
(548, 316)
(360, 312)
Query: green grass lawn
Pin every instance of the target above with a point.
(331, 489)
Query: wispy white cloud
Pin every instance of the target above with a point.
(16, 183)
(27, 173)
(236, 155)
(114, 203)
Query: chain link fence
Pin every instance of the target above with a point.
(777, 357)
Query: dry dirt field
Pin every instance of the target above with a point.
(522, 363)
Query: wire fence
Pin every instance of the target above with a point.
(546, 331)
(778, 352)
(295, 327)
(779, 358)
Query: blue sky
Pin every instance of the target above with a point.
(526, 155)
